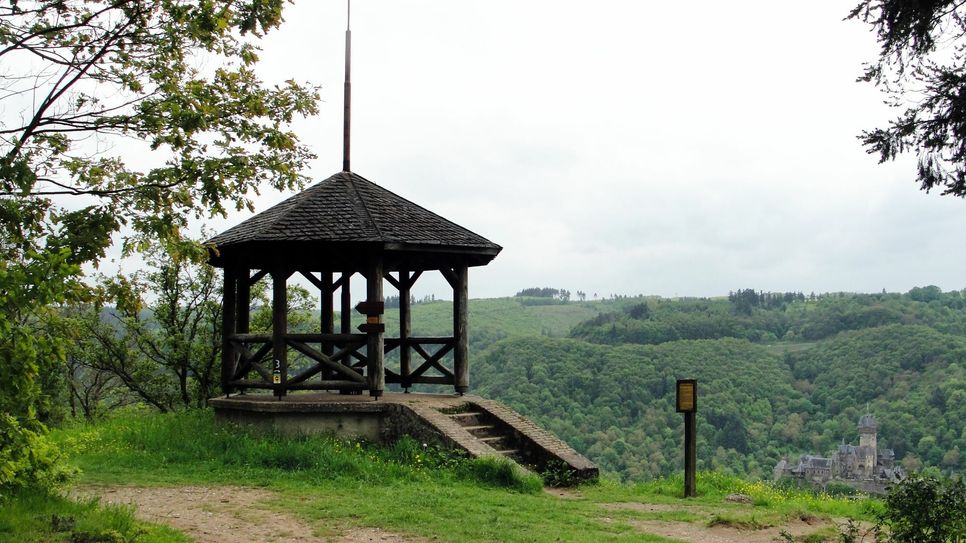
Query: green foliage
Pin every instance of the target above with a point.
(615, 404)
(159, 345)
(559, 475)
(27, 349)
(502, 473)
(105, 81)
(773, 317)
(902, 355)
(35, 517)
(920, 67)
(925, 509)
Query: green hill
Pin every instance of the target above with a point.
(608, 390)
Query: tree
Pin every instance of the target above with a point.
(86, 86)
(161, 342)
(164, 352)
(922, 68)
(924, 509)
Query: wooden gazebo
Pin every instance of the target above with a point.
(329, 232)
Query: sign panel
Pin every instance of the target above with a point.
(371, 308)
(687, 396)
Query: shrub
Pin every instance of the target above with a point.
(502, 473)
(926, 509)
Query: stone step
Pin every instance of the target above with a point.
(464, 415)
(480, 427)
(508, 452)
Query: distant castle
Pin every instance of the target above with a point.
(865, 467)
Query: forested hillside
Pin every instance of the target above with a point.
(780, 375)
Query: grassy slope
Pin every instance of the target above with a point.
(334, 485)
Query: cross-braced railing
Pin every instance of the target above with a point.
(343, 369)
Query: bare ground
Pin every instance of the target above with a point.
(695, 532)
(702, 532)
(231, 514)
(228, 514)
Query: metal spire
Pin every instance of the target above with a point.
(347, 101)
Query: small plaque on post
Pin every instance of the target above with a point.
(687, 396)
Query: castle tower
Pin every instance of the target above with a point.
(867, 431)
(867, 446)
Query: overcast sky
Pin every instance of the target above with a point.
(677, 149)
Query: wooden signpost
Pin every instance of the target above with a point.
(687, 403)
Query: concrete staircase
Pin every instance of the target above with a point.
(491, 431)
(476, 425)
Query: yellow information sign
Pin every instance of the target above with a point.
(687, 395)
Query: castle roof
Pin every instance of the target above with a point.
(867, 422)
(815, 462)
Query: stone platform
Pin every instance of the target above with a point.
(473, 424)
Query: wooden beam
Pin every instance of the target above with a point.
(337, 338)
(228, 314)
(257, 277)
(405, 330)
(327, 316)
(312, 279)
(252, 338)
(374, 351)
(250, 361)
(279, 329)
(450, 276)
(346, 293)
(324, 362)
(343, 279)
(461, 293)
(414, 277)
(243, 302)
(397, 284)
(320, 385)
(433, 361)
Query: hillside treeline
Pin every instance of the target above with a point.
(787, 317)
(609, 390)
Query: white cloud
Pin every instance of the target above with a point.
(628, 147)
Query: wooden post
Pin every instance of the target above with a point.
(690, 454)
(686, 401)
(326, 324)
(405, 330)
(461, 369)
(244, 301)
(376, 342)
(327, 308)
(279, 329)
(228, 329)
(346, 303)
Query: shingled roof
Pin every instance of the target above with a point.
(347, 208)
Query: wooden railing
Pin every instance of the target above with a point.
(343, 369)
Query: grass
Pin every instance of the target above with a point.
(29, 518)
(407, 488)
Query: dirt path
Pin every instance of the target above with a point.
(230, 514)
(701, 532)
(227, 514)
(696, 532)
